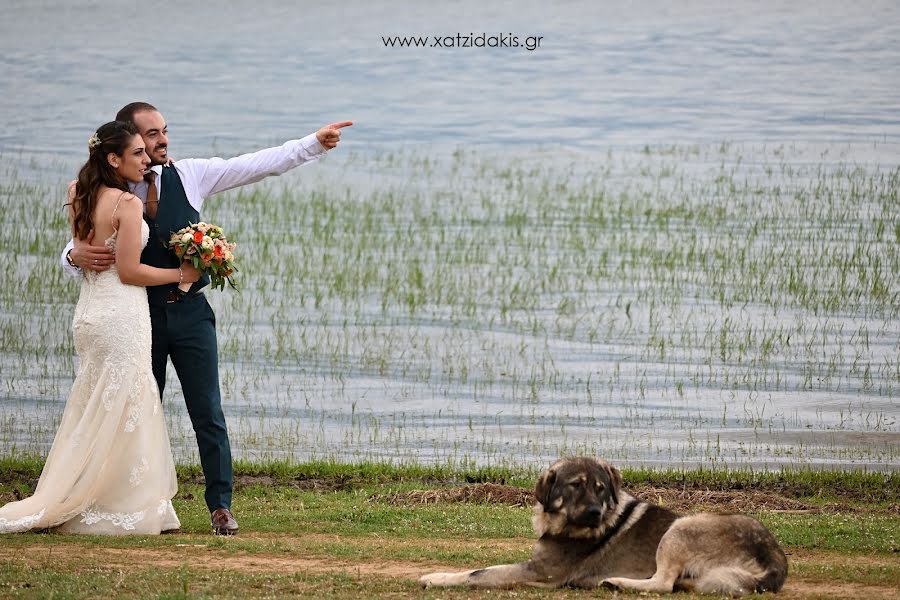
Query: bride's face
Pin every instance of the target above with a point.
(133, 163)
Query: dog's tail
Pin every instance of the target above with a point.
(737, 581)
(773, 578)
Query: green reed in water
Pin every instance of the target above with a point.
(677, 305)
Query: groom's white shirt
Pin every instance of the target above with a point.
(203, 177)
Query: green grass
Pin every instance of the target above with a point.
(342, 543)
(863, 534)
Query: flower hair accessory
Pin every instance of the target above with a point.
(93, 141)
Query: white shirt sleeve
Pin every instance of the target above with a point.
(69, 269)
(203, 177)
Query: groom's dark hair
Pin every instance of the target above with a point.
(127, 112)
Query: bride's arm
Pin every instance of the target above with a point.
(128, 251)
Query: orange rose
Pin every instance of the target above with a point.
(198, 237)
(219, 252)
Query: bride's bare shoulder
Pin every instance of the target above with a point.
(117, 204)
(113, 197)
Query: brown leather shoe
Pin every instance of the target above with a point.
(223, 522)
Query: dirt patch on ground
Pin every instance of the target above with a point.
(679, 500)
(798, 588)
(743, 501)
(835, 559)
(481, 493)
(330, 484)
(199, 555)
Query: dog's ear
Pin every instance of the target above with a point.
(614, 476)
(544, 487)
(615, 479)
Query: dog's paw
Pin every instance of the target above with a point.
(611, 584)
(437, 579)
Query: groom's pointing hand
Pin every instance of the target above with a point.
(330, 135)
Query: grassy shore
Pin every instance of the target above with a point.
(334, 530)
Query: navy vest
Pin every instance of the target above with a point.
(174, 212)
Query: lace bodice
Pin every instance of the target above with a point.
(145, 235)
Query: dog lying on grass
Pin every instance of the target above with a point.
(593, 533)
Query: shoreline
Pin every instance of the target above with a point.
(852, 485)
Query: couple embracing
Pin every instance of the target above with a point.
(110, 469)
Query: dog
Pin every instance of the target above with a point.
(593, 533)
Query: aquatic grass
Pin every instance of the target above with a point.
(681, 306)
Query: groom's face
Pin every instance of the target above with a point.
(153, 129)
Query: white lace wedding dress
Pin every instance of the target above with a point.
(110, 470)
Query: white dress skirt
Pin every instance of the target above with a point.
(110, 470)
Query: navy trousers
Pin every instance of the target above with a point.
(186, 332)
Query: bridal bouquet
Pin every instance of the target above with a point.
(204, 246)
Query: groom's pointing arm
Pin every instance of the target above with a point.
(203, 177)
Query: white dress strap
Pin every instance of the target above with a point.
(112, 217)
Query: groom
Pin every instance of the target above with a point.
(184, 326)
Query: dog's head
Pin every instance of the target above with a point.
(575, 496)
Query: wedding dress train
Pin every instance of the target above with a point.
(110, 470)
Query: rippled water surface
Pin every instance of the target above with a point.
(236, 75)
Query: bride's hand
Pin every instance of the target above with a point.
(188, 273)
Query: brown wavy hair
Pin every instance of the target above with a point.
(114, 137)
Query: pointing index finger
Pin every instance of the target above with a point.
(340, 125)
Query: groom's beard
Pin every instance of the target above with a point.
(160, 155)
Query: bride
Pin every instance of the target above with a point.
(110, 469)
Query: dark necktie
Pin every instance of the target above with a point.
(152, 194)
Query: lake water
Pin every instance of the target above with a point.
(687, 367)
(237, 75)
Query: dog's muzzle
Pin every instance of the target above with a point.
(589, 517)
